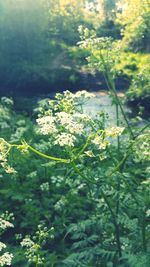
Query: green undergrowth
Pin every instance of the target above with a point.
(80, 200)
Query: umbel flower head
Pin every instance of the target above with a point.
(6, 257)
(73, 133)
(64, 121)
(4, 152)
(65, 126)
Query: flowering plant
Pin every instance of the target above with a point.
(66, 126)
(5, 257)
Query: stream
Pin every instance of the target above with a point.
(103, 102)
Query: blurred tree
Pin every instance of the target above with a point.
(107, 8)
(34, 37)
(106, 25)
(134, 17)
(23, 41)
(65, 18)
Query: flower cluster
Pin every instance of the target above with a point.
(100, 142)
(65, 125)
(60, 204)
(57, 180)
(6, 257)
(64, 121)
(32, 251)
(103, 51)
(114, 131)
(4, 149)
(83, 94)
(65, 139)
(4, 221)
(47, 125)
(82, 117)
(68, 101)
(34, 246)
(64, 118)
(143, 144)
(27, 242)
(2, 245)
(5, 224)
(148, 213)
(70, 123)
(44, 187)
(89, 153)
(4, 152)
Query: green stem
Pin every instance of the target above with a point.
(40, 153)
(117, 118)
(86, 144)
(123, 160)
(81, 174)
(111, 87)
(118, 181)
(46, 156)
(117, 229)
(116, 225)
(144, 233)
(118, 197)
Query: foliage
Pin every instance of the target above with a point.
(134, 16)
(90, 198)
(38, 39)
(78, 188)
(6, 257)
(139, 91)
(132, 63)
(106, 56)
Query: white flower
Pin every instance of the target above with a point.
(89, 153)
(70, 124)
(7, 167)
(100, 142)
(102, 157)
(79, 94)
(114, 131)
(148, 213)
(65, 139)
(147, 182)
(84, 94)
(45, 120)
(4, 149)
(2, 246)
(6, 259)
(47, 124)
(75, 128)
(27, 242)
(10, 169)
(3, 158)
(5, 224)
(44, 187)
(82, 117)
(68, 94)
(143, 146)
(64, 118)
(97, 140)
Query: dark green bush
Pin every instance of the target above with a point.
(138, 94)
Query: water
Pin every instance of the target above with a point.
(103, 102)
